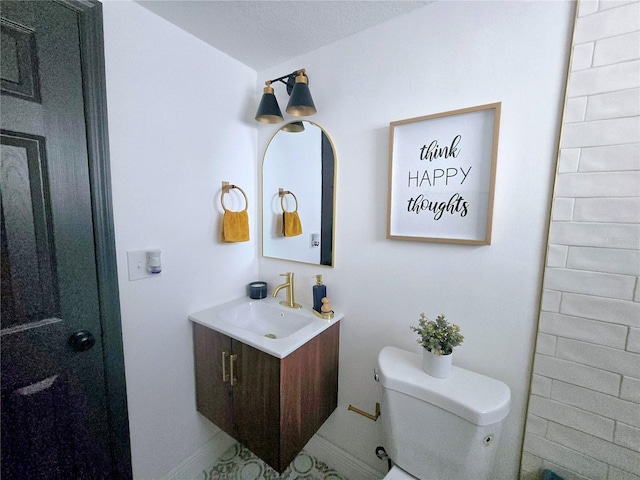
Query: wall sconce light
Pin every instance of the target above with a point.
(300, 101)
(293, 127)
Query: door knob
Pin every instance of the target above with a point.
(82, 340)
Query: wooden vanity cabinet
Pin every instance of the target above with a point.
(273, 406)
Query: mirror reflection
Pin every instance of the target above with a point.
(298, 184)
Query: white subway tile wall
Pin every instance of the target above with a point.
(583, 420)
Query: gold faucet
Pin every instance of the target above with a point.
(288, 284)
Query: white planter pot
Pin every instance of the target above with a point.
(438, 366)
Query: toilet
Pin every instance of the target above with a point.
(439, 429)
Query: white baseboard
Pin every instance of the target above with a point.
(205, 456)
(342, 462)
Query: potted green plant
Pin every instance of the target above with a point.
(438, 338)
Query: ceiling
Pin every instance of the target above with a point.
(263, 34)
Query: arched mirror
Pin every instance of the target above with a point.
(298, 184)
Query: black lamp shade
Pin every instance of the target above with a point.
(268, 110)
(300, 102)
(293, 127)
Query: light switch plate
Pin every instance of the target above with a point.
(137, 264)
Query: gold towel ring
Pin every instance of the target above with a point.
(225, 189)
(281, 194)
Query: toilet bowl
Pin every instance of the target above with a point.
(439, 429)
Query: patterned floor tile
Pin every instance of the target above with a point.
(238, 463)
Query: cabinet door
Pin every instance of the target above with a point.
(256, 402)
(213, 392)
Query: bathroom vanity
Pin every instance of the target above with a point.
(271, 401)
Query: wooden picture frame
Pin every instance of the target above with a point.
(442, 171)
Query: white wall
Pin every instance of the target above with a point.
(446, 56)
(178, 127)
(584, 411)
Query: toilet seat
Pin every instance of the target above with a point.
(396, 473)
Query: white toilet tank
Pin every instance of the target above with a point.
(438, 429)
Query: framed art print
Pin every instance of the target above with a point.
(442, 171)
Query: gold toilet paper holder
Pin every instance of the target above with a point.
(365, 414)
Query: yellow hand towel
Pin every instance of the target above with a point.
(235, 226)
(291, 225)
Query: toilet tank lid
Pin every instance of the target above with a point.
(477, 398)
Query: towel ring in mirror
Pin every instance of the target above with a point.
(281, 194)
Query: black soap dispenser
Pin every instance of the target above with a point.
(319, 292)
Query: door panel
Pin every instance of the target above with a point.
(54, 408)
(29, 290)
(19, 62)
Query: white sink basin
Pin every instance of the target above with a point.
(264, 324)
(265, 319)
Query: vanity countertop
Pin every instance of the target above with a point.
(257, 322)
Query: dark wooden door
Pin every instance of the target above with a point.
(54, 401)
